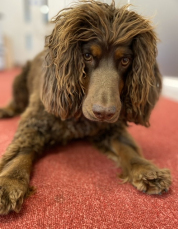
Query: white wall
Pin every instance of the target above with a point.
(165, 18)
(11, 24)
(14, 26)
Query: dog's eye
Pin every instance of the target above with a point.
(125, 61)
(88, 57)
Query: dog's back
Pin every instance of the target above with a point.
(24, 85)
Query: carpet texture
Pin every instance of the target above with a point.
(78, 187)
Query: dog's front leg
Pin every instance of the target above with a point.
(14, 180)
(141, 173)
(16, 163)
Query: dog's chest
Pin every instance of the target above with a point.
(64, 131)
(83, 128)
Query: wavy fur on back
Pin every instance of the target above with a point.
(63, 86)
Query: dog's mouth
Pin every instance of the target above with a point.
(91, 116)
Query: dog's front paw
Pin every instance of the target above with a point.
(12, 193)
(150, 179)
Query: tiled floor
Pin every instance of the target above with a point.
(170, 87)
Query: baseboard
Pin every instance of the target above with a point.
(170, 87)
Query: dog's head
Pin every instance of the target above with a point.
(101, 62)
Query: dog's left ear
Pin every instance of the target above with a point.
(62, 88)
(143, 83)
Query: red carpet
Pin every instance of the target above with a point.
(78, 188)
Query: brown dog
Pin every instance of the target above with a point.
(98, 72)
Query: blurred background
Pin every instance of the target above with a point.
(25, 23)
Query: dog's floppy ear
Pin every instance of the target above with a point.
(62, 88)
(143, 83)
(63, 82)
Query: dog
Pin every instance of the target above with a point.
(98, 72)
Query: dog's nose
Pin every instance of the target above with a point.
(103, 113)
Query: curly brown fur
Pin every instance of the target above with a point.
(97, 73)
(114, 27)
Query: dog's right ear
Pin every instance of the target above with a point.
(62, 85)
(61, 91)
